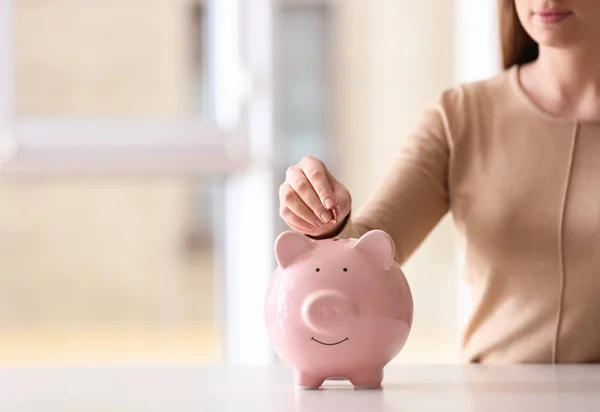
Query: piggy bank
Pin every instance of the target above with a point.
(338, 308)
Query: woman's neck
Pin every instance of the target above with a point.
(565, 83)
(570, 73)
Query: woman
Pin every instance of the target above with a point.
(516, 160)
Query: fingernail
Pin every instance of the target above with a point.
(328, 203)
(338, 212)
(325, 217)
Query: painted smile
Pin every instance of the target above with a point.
(330, 344)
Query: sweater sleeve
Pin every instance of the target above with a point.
(413, 196)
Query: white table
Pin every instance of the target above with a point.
(544, 388)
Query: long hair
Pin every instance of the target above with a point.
(517, 46)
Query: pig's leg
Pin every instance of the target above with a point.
(307, 381)
(369, 379)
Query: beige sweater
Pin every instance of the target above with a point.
(523, 188)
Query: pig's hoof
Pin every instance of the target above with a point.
(367, 387)
(307, 388)
(370, 380)
(307, 382)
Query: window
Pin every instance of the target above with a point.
(107, 268)
(141, 148)
(111, 85)
(124, 131)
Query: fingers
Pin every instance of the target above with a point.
(318, 177)
(311, 199)
(299, 183)
(293, 210)
(296, 223)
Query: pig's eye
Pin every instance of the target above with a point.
(345, 269)
(318, 269)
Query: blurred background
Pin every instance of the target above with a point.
(142, 143)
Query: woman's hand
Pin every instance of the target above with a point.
(311, 200)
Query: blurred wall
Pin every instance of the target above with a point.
(394, 58)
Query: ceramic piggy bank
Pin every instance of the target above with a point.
(338, 309)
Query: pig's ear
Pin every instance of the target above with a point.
(379, 244)
(291, 245)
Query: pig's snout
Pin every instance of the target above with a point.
(327, 311)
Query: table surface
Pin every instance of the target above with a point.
(227, 388)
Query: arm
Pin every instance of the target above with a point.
(413, 196)
(408, 203)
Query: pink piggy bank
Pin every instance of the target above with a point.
(338, 309)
